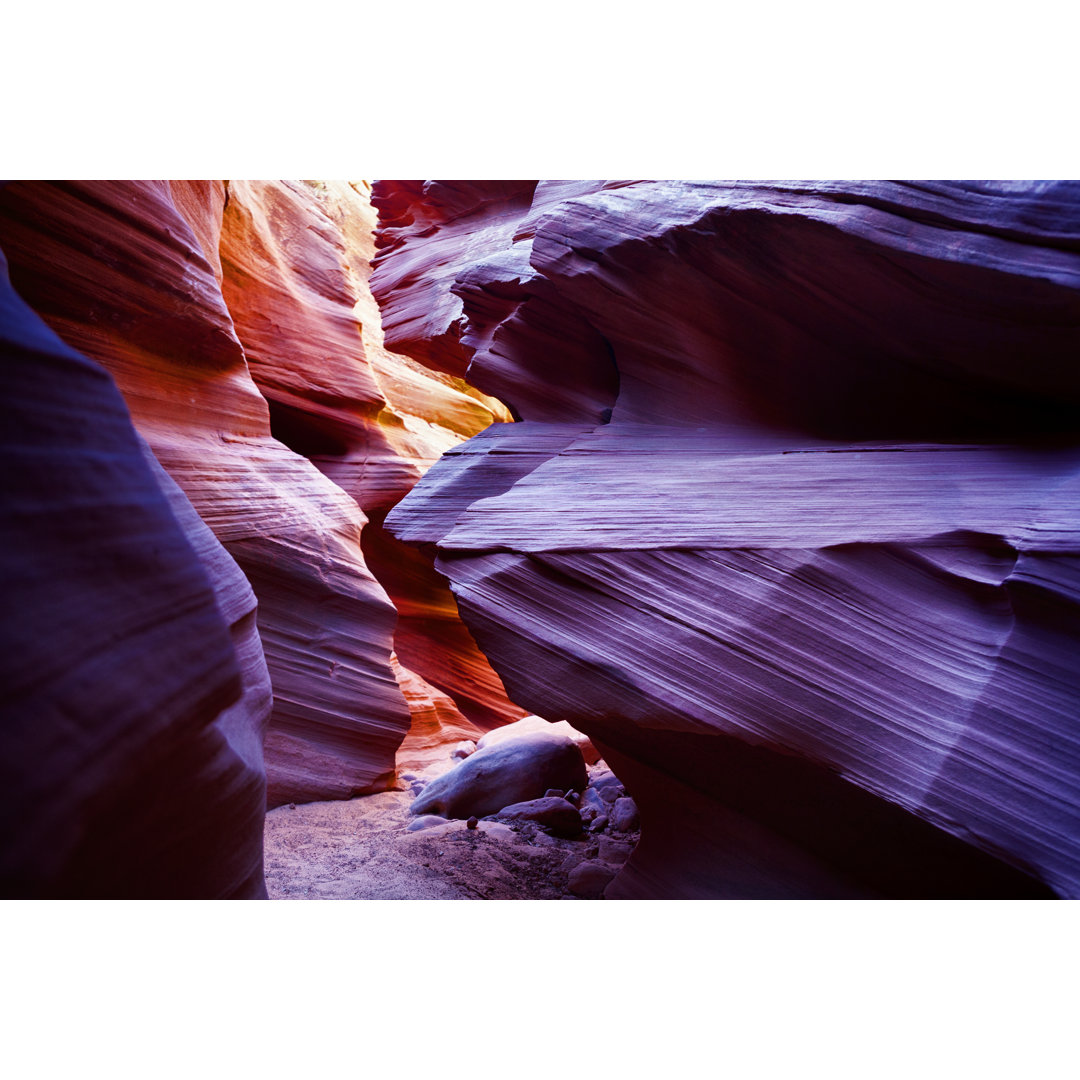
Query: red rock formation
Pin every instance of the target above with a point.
(236, 319)
(296, 261)
(813, 590)
(504, 323)
(437, 723)
(135, 694)
(127, 274)
(421, 314)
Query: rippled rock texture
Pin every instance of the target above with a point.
(135, 694)
(235, 320)
(791, 526)
(296, 259)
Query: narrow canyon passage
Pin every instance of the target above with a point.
(238, 323)
(320, 494)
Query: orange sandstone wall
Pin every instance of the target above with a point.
(296, 261)
(227, 315)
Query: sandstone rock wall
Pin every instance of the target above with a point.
(135, 694)
(228, 314)
(296, 263)
(804, 565)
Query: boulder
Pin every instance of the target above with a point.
(624, 815)
(530, 724)
(589, 879)
(608, 786)
(555, 814)
(591, 804)
(513, 771)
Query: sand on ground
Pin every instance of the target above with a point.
(361, 849)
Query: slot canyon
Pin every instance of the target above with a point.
(646, 540)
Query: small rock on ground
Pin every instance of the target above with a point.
(624, 815)
(589, 879)
(553, 812)
(607, 785)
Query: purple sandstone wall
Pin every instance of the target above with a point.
(791, 526)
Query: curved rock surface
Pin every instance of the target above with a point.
(516, 771)
(812, 589)
(127, 273)
(530, 724)
(135, 695)
(437, 723)
(553, 813)
(295, 260)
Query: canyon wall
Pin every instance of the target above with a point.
(135, 692)
(296, 259)
(236, 322)
(790, 526)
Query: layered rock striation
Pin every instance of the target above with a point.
(135, 694)
(120, 273)
(229, 316)
(794, 536)
(296, 260)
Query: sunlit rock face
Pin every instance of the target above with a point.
(295, 259)
(803, 559)
(237, 322)
(436, 720)
(128, 274)
(457, 287)
(135, 694)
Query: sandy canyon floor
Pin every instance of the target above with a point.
(362, 850)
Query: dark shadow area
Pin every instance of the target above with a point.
(783, 827)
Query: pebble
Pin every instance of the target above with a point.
(472, 823)
(553, 793)
(624, 815)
